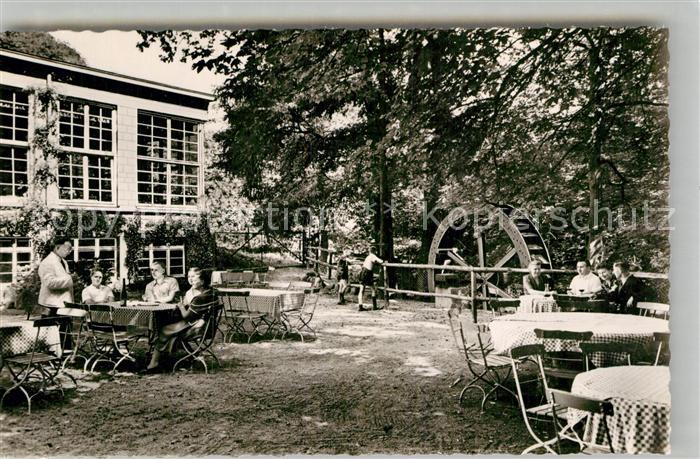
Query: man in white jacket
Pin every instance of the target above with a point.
(56, 281)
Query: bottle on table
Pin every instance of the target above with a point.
(125, 294)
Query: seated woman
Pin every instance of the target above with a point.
(190, 321)
(96, 292)
(163, 288)
(535, 283)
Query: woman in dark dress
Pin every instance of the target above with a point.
(535, 283)
(191, 321)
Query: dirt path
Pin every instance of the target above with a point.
(373, 382)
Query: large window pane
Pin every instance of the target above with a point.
(172, 143)
(14, 114)
(13, 171)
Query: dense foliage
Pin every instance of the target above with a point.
(381, 124)
(40, 44)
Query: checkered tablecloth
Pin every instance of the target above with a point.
(518, 329)
(138, 314)
(17, 337)
(537, 303)
(266, 301)
(641, 400)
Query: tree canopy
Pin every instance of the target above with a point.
(401, 120)
(40, 44)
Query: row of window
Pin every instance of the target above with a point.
(16, 253)
(167, 151)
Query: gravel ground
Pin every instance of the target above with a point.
(372, 382)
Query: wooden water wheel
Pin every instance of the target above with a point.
(492, 235)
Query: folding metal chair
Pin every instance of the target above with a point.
(484, 365)
(543, 408)
(611, 354)
(296, 320)
(562, 399)
(197, 341)
(74, 337)
(663, 350)
(563, 365)
(38, 369)
(107, 340)
(236, 317)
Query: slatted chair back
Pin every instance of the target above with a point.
(533, 353)
(663, 348)
(101, 318)
(563, 364)
(615, 353)
(650, 309)
(262, 276)
(210, 312)
(52, 321)
(310, 300)
(563, 335)
(247, 277)
(476, 337)
(589, 405)
(198, 342)
(453, 321)
(231, 302)
(229, 277)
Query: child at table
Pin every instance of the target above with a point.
(190, 321)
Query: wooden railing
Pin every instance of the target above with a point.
(472, 298)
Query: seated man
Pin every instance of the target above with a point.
(585, 283)
(630, 288)
(535, 283)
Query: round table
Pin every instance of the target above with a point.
(641, 401)
(518, 329)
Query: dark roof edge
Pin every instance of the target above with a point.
(107, 74)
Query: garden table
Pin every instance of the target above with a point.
(266, 301)
(17, 336)
(142, 314)
(510, 331)
(641, 400)
(138, 314)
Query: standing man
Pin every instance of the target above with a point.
(367, 280)
(585, 283)
(56, 281)
(342, 277)
(631, 288)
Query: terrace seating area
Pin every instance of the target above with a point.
(554, 365)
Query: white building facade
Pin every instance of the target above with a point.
(128, 146)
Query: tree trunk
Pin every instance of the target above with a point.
(386, 222)
(599, 134)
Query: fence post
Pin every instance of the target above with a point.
(330, 264)
(303, 247)
(472, 281)
(386, 286)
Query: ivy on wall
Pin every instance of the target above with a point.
(193, 232)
